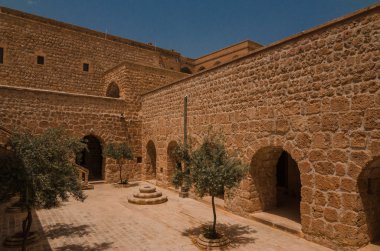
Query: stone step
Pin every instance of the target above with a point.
(147, 195)
(147, 189)
(278, 222)
(151, 201)
(96, 182)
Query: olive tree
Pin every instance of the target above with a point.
(119, 152)
(40, 171)
(212, 169)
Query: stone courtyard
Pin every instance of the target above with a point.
(106, 221)
(302, 112)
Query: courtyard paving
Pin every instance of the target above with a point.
(106, 221)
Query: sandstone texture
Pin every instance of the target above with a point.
(315, 96)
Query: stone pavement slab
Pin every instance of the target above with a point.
(106, 221)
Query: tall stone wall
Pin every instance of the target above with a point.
(65, 48)
(315, 95)
(35, 110)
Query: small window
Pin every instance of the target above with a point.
(1, 55)
(139, 159)
(113, 91)
(86, 67)
(40, 60)
(186, 70)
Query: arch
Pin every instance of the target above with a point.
(113, 90)
(151, 159)
(202, 68)
(92, 157)
(277, 182)
(369, 190)
(172, 162)
(186, 70)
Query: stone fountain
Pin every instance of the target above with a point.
(148, 195)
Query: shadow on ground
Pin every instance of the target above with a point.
(61, 230)
(95, 247)
(238, 234)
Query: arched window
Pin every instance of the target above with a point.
(113, 91)
(186, 70)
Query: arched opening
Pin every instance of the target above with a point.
(369, 188)
(172, 163)
(113, 90)
(151, 159)
(277, 183)
(186, 70)
(91, 158)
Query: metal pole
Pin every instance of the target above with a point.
(185, 121)
(184, 190)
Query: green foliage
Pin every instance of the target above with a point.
(181, 154)
(40, 169)
(213, 169)
(119, 152)
(124, 182)
(210, 169)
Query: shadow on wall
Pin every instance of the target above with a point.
(151, 160)
(369, 189)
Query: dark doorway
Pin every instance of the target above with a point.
(288, 186)
(91, 158)
(151, 159)
(369, 188)
(277, 183)
(172, 162)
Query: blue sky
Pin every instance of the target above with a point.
(193, 27)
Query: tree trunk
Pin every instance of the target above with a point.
(120, 166)
(26, 224)
(214, 212)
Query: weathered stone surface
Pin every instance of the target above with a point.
(315, 96)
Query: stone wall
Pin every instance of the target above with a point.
(35, 110)
(65, 48)
(315, 95)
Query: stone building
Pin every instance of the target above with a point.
(303, 111)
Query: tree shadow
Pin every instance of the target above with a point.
(60, 230)
(237, 234)
(94, 247)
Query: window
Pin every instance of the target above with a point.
(113, 91)
(186, 70)
(1, 55)
(86, 67)
(40, 60)
(139, 159)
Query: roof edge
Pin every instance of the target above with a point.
(84, 30)
(352, 15)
